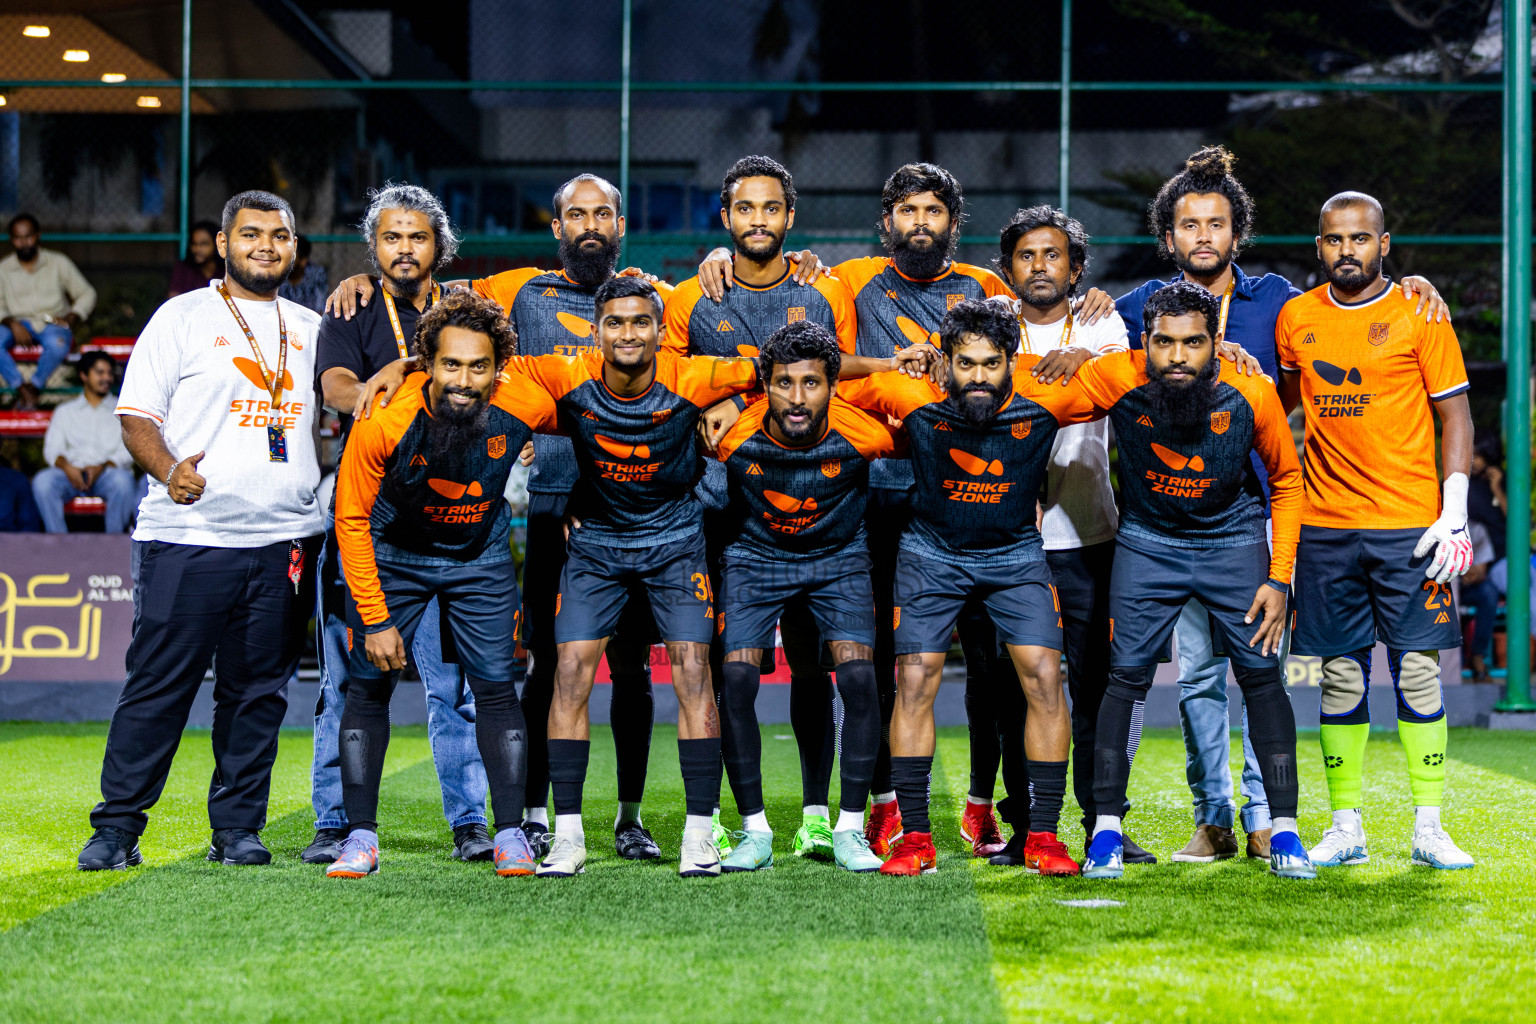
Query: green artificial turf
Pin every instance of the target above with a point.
(432, 939)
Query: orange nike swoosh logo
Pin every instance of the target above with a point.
(575, 324)
(454, 491)
(251, 372)
(620, 450)
(1173, 460)
(784, 503)
(974, 466)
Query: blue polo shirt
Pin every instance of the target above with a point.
(1256, 303)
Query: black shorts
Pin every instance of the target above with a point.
(1355, 587)
(542, 565)
(1020, 599)
(597, 580)
(1151, 583)
(478, 604)
(836, 588)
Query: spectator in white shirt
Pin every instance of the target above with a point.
(43, 298)
(84, 451)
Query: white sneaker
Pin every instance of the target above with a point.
(564, 859)
(1340, 846)
(700, 857)
(1432, 848)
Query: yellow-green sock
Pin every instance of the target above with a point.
(1344, 763)
(1424, 743)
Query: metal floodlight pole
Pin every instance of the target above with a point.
(184, 156)
(1517, 335)
(1064, 131)
(624, 111)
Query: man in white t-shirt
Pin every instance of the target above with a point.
(218, 406)
(1043, 255)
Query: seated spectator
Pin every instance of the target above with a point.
(1479, 594)
(307, 284)
(84, 451)
(43, 298)
(18, 512)
(202, 262)
(1485, 490)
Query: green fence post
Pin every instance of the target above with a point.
(624, 113)
(1517, 335)
(1064, 131)
(184, 157)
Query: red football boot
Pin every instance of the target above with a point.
(912, 855)
(1044, 854)
(978, 826)
(884, 825)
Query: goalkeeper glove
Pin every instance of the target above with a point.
(1448, 537)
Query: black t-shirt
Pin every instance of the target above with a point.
(366, 343)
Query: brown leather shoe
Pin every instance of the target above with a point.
(1258, 844)
(27, 396)
(1210, 842)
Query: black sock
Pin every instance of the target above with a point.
(861, 732)
(740, 738)
(502, 736)
(568, 773)
(631, 712)
(1272, 731)
(700, 762)
(1011, 707)
(1047, 789)
(810, 719)
(364, 739)
(1119, 734)
(538, 695)
(885, 690)
(910, 776)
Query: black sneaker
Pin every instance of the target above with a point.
(538, 835)
(472, 842)
(325, 847)
(1012, 855)
(238, 846)
(110, 849)
(1133, 854)
(633, 842)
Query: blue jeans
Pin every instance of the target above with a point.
(1483, 598)
(450, 717)
(1207, 732)
(52, 489)
(55, 340)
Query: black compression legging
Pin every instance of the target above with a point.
(500, 732)
(1271, 728)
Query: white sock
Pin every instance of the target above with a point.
(979, 801)
(1283, 825)
(629, 814)
(715, 814)
(538, 816)
(1348, 819)
(1105, 823)
(849, 821)
(568, 826)
(755, 822)
(885, 798)
(698, 823)
(815, 811)
(1425, 816)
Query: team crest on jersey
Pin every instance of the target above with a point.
(1021, 429)
(1378, 335)
(496, 446)
(418, 460)
(1220, 421)
(831, 467)
(659, 416)
(951, 300)
(796, 314)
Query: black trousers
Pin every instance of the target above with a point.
(191, 605)
(1082, 584)
(885, 519)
